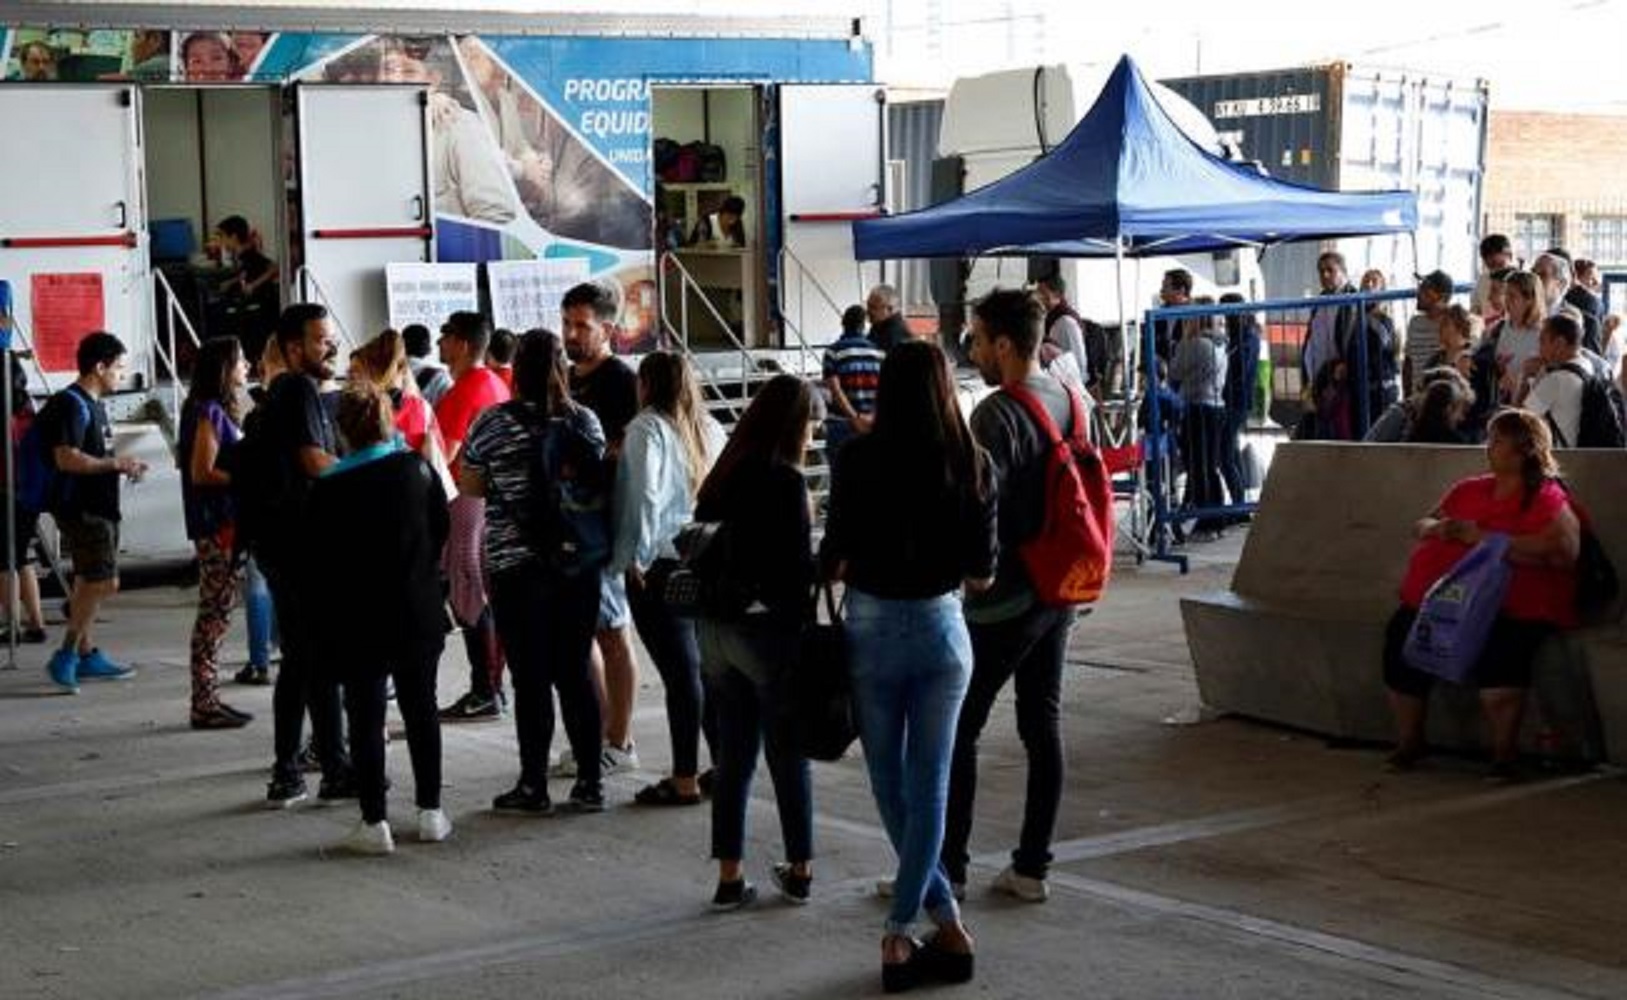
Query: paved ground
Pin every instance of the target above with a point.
(1199, 859)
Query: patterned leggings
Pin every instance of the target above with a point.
(218, 584)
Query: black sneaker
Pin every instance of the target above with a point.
(733, 895)
(334, 789)
(229, 710)
(285, 791)
(523, 798)
(219, 717)
(795, 888)
(472, 708)
(587, 798)
(253, 676)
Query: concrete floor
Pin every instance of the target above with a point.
(1196, 858)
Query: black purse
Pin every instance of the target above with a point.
(818, 708)
(700, 583)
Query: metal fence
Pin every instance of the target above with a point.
(1197, 464)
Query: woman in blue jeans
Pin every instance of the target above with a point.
(757, 493)
(912, 521)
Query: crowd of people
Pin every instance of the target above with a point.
(532, 506)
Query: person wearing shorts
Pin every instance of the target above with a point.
(84, 501)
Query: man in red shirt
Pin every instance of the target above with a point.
(475, 387)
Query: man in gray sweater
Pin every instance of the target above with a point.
(1198, 372)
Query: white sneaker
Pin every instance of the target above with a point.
(615, 760)
(1029, 890)
(433, 826)
(369, 838)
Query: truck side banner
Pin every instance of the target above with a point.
(541, 144)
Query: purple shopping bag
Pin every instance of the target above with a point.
(1456, 616)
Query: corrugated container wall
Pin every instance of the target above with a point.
(1359, 129)
(912, 143)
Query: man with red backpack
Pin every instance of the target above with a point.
(1055, 531)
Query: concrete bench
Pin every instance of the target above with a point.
(1298, 638)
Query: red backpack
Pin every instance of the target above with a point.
(1071, 557)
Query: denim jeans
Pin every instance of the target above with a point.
(911, 663)
(546, 624)
(1030, 649)
(675, 649)
(744, 665)
(257, 610)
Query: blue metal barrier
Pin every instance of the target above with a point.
(1165, 516)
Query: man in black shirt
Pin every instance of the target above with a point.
(301, 443)
(84, 501)
(252, 293)
(608, 386)
(887, 326)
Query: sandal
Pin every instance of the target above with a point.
(665, 793)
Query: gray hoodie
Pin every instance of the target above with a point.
(1198, 370)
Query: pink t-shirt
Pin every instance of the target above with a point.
(1535, 593)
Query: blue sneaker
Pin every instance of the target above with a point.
(93, 666)
(64, 670)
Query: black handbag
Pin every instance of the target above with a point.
(818, 708)
(701, 582)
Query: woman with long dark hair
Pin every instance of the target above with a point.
(1521, 496)
(665, 455)
(209, 430)
(378, 519)
(544, 592)
(757, 494)
(912, 521)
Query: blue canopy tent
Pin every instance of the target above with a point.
(1128, 182)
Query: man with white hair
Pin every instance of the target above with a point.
(887, 326)
(1553, 269)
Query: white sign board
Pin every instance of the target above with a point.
(525, 294)
(428, 293)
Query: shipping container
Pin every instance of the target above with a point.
(1357, 128)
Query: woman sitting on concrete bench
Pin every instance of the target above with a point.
(1521, 497)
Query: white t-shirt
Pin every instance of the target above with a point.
(1557, 396)
(1515, 346)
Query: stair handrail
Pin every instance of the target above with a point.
(686, 283)
(310, 283)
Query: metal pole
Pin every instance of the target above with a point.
(14, 564)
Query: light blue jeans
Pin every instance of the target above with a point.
(911, 662)
(261, 618)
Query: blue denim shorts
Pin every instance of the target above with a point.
(613, 611)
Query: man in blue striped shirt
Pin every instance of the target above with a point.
(852, 370)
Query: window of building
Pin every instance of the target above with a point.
(1604, 238)
(1534, 234)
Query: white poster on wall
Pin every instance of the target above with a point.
(525, 294)
(428, 293)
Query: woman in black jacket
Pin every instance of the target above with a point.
(378, 520)
(757, 493)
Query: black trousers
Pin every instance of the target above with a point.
(1030, 649)
(303, 682)
(414, 674)
(674, 646)
(1202, 432)
(546, 624)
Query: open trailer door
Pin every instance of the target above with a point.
(72, 232)
(832, 170)
(364, 193)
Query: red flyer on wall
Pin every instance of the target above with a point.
(65, 307)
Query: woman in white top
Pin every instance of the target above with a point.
(666, 454)
(1516, 336)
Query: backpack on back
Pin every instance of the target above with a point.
(259, 480)
(568, 522)
(1071, 558)
(1604, 413)
(41, 487)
